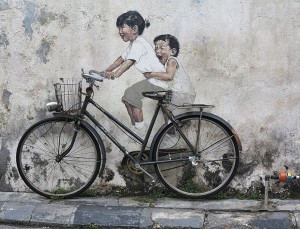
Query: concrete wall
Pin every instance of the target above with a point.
(242, 55)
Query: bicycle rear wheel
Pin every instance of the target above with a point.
(203, 174)
(37, 158)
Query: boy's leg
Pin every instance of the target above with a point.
(172, 130)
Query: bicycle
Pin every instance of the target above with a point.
(61, 156)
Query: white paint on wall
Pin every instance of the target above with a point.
(242, 56)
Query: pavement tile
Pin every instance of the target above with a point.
(213, 205)
(132, 202)
(108, 216)
(297, 218)
(55, 214)
(285, 205)
(177, 218)
(101, 201)
(2, 226)
(145, 220)
(16, 211)
(23, 197)
(273, 220)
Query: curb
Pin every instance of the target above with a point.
(29, 209)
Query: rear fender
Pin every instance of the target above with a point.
(204, 114)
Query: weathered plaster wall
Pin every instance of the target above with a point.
(243, 57)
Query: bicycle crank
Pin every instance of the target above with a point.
(138, 166)
(132, 167)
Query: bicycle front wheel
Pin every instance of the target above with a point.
(42, 171)
(208, 170)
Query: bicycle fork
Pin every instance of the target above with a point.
(59, 156)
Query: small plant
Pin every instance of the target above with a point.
(154, 194)
(90, 193)
(221, 196)
(190, 186)
(57, 192)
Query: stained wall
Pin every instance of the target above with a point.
(242, 56)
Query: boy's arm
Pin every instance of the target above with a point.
(166, 76)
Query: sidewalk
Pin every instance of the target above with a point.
(112, 212)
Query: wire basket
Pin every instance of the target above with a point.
(68, 96)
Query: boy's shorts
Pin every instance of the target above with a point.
(180, 99)
(133, 95)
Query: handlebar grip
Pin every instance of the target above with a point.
(97, 77)
(94, 75)
(94, 71)
(99, 73)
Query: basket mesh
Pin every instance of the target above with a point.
(68, 95)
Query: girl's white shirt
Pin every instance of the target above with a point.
(141, 51)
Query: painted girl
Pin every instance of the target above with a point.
(139, 53)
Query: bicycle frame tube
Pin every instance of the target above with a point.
(144, 142)
(194, 150)
(198, 132)
(125, 128)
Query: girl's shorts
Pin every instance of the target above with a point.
(133, 95)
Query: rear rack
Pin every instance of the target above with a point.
(186, 106)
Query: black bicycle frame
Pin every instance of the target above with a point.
(89, 100)
(113, 119)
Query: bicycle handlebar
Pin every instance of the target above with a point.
(92, 75)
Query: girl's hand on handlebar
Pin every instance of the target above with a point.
(108, 75)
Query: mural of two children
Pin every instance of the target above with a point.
(160, 67)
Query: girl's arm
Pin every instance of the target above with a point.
(166, 76)
(123, 66)
(115, 64)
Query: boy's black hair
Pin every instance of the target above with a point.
(132, 18)
(173, 42)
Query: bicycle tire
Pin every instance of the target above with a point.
(213, 167)
(39, 147)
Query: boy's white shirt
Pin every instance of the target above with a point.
(181, 81)
(141, 51)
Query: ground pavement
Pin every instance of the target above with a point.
(30, 210)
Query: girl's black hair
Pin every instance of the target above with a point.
(132, 18)
(173, 42)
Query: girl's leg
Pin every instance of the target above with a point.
(137, 114)
(130, 112)
(133, 101)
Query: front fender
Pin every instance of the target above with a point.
(88, 126)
